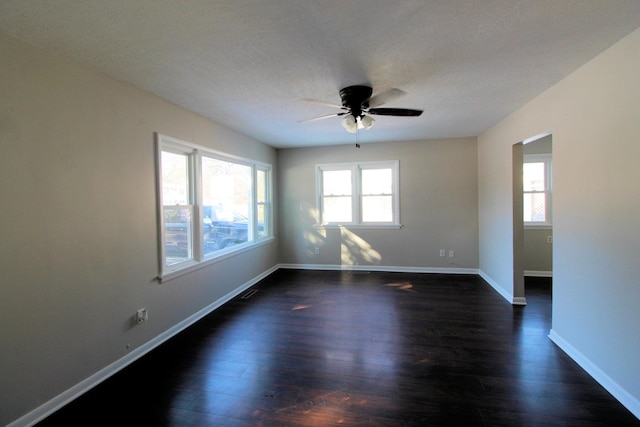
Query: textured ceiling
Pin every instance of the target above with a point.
(248, 63)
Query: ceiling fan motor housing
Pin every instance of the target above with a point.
(355, 98)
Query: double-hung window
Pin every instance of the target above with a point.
(358, 194)
(210, 203)
(178, 207)
(536, 175)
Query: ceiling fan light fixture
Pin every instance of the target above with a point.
(349, 123)
(366, 122)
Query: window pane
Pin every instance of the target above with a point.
(533, 176)
(337, 209)
(226, 196)
(336, 183)
(261, 186)
(262, 221)
(377, 181)
(175, 179)
(534, 207)
(178, 223)
(377, 209)
(261, 196)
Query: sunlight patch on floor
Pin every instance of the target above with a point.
(405, 286)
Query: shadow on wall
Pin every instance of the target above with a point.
(312, 237)
(354, 250)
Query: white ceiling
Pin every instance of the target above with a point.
(248, 63)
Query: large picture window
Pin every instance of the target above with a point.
(358, 194)
(211, 204)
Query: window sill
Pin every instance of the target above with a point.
(220, 256)
(358, 226)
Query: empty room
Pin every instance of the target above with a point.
(319, 212)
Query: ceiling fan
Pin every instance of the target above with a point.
(358, 105)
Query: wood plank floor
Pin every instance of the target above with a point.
(322, 348)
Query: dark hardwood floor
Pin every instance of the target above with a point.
(322, 348)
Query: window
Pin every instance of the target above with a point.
(364, 194)
(211, 204)
(177, 207)
(537, 190)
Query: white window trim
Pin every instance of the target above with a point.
(546, 159)
(198, 261)
(356, 198)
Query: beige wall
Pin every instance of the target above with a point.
(593, 116)
(78, 228)
(438, 207)
(537, 251)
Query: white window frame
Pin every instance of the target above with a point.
(546, 159)
(356, 193)
(195, 154)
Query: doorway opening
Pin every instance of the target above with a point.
(533, 216)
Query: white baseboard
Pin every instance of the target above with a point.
(385, 268)
(504, 293)
(84, 386)
(538, 273)
(519, 301)
(623, 396)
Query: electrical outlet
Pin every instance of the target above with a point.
(549, 239)
(442, 252)
(317, 250)
(142, 315)
(450, 253)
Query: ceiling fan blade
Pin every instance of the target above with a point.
(322, 117)
(404, 112)
(327, 104)
(384, 97)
